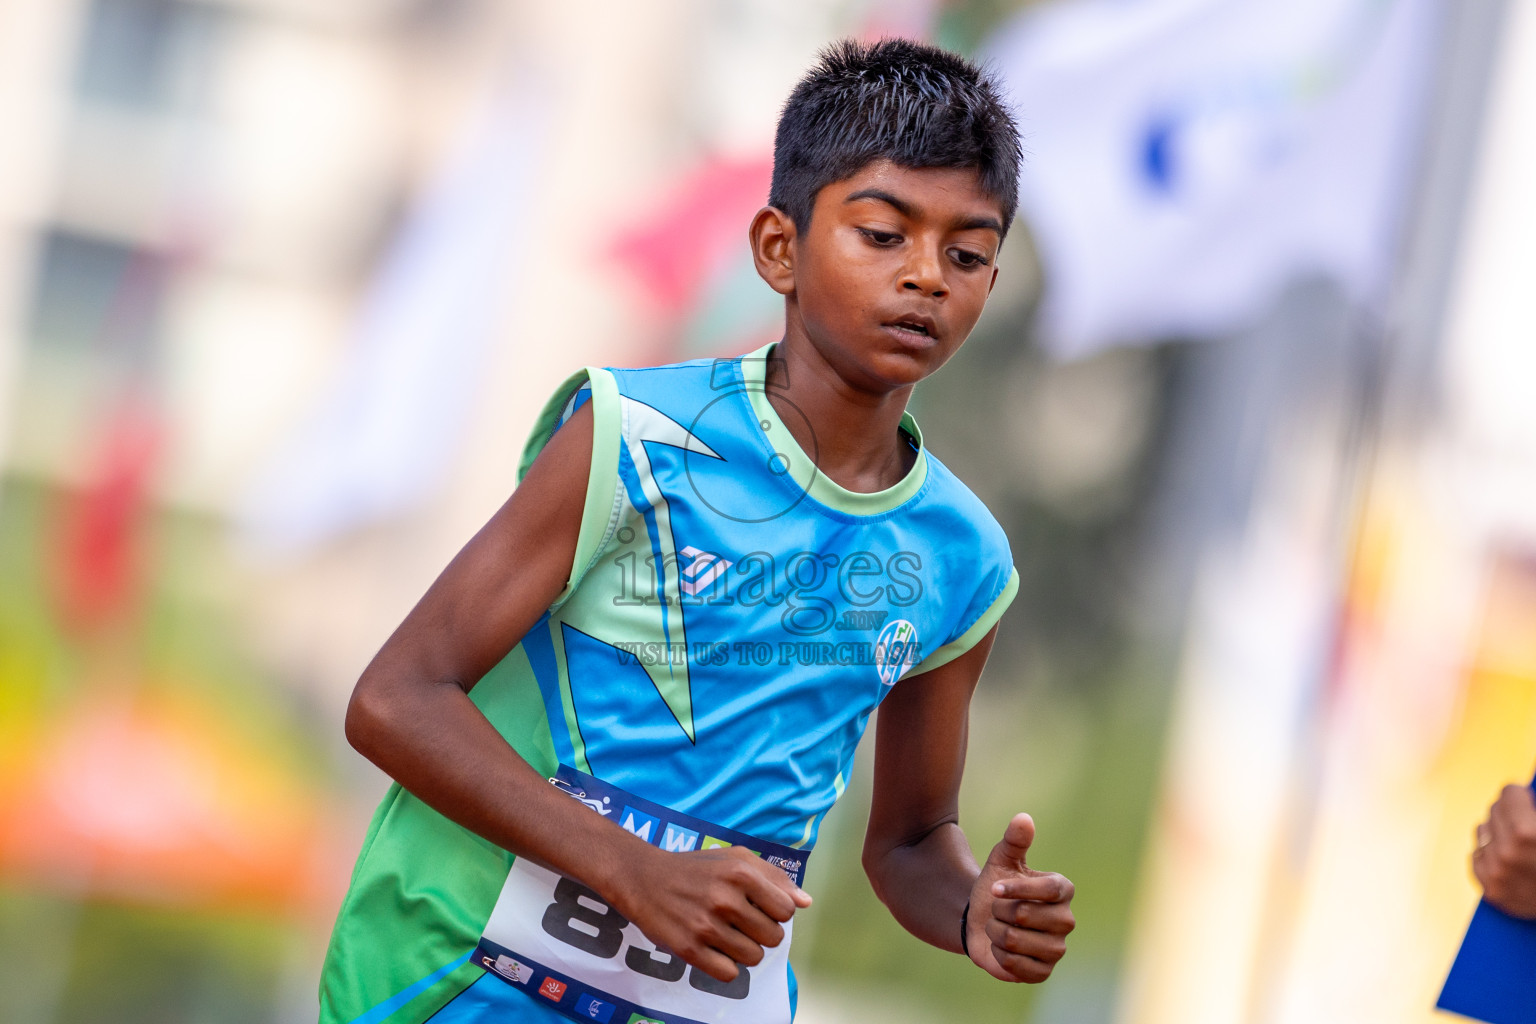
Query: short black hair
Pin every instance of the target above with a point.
(910, 103)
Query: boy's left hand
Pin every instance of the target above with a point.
(1017, 926)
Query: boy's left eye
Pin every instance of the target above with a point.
(969, 258)
(880, 237)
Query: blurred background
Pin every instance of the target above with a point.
(282, 285)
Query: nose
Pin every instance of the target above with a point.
(924, 273)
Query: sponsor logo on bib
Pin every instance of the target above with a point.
(639, 823)
(600, 806)
(784, 864)
(589, 1006)
(677, 839)
(509, 968)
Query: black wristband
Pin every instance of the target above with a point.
(964, 945)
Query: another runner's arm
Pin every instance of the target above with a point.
(915, 854)
(411, 715)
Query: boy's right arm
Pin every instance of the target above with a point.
(411, 715)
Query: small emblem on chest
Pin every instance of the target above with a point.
(896, 650)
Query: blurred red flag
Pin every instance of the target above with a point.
(696, 230)
(97, 554)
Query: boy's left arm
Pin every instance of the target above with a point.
(918, 860)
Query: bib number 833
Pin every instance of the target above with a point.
(574, 919)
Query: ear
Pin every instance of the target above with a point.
(992, 283)
(772, 236)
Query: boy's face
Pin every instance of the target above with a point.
(891, 273)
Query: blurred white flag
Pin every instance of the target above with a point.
(383, 439)
(1186, 158)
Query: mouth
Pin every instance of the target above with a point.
(913, 324)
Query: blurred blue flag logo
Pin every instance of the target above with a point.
(1186, 158)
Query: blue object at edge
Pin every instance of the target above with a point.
(1493, 977)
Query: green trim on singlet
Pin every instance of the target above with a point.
(978, 629)
(802, 468)
(415, 906)
(600, 512)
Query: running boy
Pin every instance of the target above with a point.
(708, 578)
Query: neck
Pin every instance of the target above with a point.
(853, 433)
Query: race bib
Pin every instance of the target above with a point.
(563, 944)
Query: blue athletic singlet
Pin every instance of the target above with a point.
(732, 619)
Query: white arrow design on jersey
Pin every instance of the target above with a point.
(645, 423)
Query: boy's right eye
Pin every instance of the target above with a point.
(879, 237)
